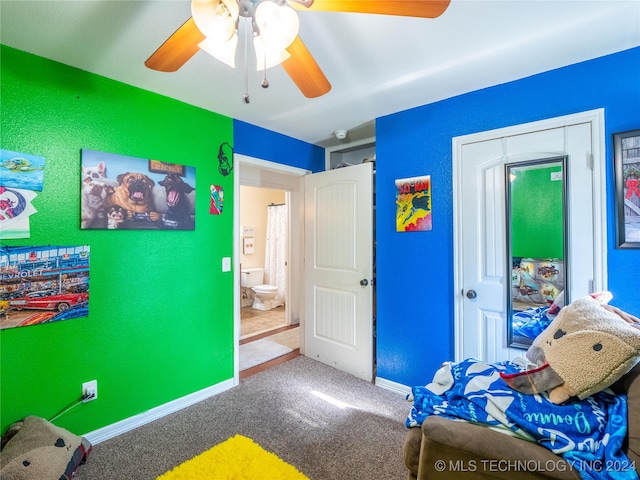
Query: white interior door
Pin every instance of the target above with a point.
(338, 269)
(481, 268)
(484, 254)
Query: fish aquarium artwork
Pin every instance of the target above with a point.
(21, 170)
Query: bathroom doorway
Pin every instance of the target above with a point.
(263, 226)
(266, 329)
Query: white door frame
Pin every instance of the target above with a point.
(598, 165)
(280, 176)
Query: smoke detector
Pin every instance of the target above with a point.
(341, 134)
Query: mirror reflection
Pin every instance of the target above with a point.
(536, 246)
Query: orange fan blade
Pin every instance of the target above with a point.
(304, 71)
(404, 8)
(177, 49)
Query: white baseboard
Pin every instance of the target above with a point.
(393, 386)
(136, 421)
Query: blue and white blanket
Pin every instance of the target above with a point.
(587, 433)
(531, 322)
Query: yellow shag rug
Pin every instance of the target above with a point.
(238, 458)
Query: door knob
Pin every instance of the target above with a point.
(471, 294)
(364, 282)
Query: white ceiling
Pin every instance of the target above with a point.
(376, 64)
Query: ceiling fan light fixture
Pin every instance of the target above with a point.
(278, 24)
(216, 19)
(213, 20)
(223, 51)
(267, 58)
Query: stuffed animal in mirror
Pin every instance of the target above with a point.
(584, 350)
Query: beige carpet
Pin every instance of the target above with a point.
(286, 410)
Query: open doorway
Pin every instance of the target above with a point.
(265, 333)
(267, 328)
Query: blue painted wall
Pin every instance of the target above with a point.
(415, 270)
(264, 144)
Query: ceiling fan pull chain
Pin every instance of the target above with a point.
(265, 81)
(245, 97)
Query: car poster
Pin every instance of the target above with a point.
(43, 284)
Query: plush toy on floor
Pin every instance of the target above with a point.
(36, 449)
(586, 348)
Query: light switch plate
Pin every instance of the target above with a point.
(226, 264)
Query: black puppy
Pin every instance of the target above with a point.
(178, 215)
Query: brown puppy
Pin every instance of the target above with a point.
(133, 193)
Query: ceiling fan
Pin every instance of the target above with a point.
(213, 27)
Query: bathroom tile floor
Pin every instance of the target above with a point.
(253, 322)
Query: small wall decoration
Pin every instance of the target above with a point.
(21, 170)
(15, 209)
(217, 200)
(43, 284)
(21, 176)
(626, 161)
(225, 159)
(413, 204)
(248, 245)
(120, 192)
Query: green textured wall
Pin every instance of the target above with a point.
(160, 323)
(536, 214)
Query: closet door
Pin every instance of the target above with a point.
(484, 250)
(481, 271)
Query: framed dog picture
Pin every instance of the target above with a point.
(121, 192)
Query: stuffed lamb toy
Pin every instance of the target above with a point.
(584, 350)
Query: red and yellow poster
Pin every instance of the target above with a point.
(413, 204)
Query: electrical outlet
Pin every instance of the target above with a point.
(91, 389)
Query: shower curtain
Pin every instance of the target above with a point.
(276, 250)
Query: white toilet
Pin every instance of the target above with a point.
(263, 294)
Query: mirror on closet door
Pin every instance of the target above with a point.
(536, 246)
